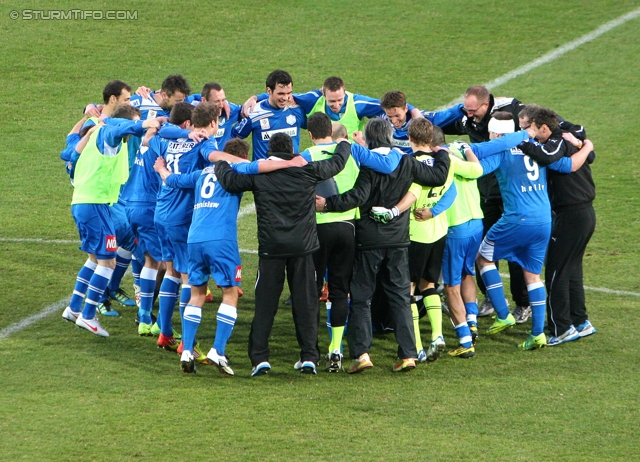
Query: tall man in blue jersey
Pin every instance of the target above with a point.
(274, 115)
(522, 233)
(99, 175)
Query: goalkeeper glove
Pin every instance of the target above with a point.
(383, 215)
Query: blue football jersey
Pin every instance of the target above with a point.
(144, 183)
(215, 211)
(265, 121)
(183, 156)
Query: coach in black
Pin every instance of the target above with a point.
(287, 239)
(479, 105)
(383, 248)
(574, 221)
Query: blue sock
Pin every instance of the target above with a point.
(464, 335)
(168, 295)
(472, 312)
(147, 286)
(97, 285)
(82, 282)
(190, 324)
(225, 320)
(538, 302)
(493, 283)
(136, 269)
(123, 258)
(185, 296)
(329, 319)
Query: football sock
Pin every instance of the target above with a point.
(190, 324)
(225, 320)
(97, 285)
(464, 335)
(328, 304)
(538, 302)
(416, 326)
(472, 312)
(185, 296)
(337, 333)
(82, 282)
(136, 268)
(123, 258)
(147, 286)
(495, 291)
(433, 305)
(168, 296)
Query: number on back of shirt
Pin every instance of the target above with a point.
(173, 161)
(208, 186)
(532, 166)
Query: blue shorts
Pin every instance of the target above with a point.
(515, 242)
(124, 233)
(144, 230)
(173, 240)
(220, 259)
(460, 257)
(96, 230)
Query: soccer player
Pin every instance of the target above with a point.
(348, 108)
(522, 233)
(273, 115)
(101, 169)
(574, 222)
(382, 248)
(230, 113)
(396, 111)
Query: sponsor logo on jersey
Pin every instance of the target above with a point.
(220, 133)
(238, 273)
(139, 161)
(180, 147)
(293, 131)
(111, 244)
(291, 119)
(401, 143)
(264, 124)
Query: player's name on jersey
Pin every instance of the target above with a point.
(208, 204)
(292, 131)
(180, 146)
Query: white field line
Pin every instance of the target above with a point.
(553, 55)
(246, 210)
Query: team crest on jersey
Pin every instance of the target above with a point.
(220, 133)
(111, 244)
(238, 273)
(152, 114)
(264, 124)
(291, 119)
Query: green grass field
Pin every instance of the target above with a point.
(67, 395)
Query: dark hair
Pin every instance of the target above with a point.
(238, 147)
(421, 131)
(393, 99)
(278, 77)
(438, 137)
(378, 133)
(480, 92)
(281, 142)
(180, 113)
(126, 111)
(175, 83)
(203, 114)
(207, 89)
(544, 116)
(528, 111)
(502, 115)
(333, 83)
(319, 125)
(114, 88)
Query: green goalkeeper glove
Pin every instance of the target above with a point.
(383, 215)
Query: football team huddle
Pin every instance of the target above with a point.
(380, 219)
